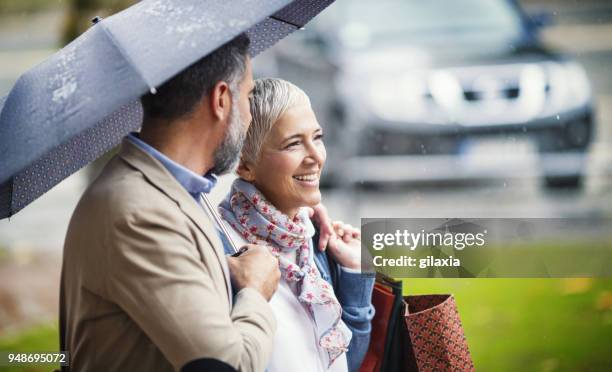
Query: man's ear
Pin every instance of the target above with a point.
(220, 101)
(245, 170)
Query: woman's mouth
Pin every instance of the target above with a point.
(311, 179)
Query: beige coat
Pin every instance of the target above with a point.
(145, 282)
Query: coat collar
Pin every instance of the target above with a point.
(162, 179)
(194, 183)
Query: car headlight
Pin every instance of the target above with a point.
(569, 86)
(580, 91)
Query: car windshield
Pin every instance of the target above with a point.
(371, 22)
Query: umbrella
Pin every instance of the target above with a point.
(80, 102)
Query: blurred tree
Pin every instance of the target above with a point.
(80, 13)
(27, 6)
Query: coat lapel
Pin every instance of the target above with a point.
(159, 176)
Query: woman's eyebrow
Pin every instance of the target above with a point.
(298, 135)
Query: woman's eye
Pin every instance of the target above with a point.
(292, 144)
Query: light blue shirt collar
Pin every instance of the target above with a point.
(191, 181)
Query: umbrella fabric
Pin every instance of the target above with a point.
(81, 101)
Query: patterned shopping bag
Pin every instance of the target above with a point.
(415, 333)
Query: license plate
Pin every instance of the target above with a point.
(496, 150)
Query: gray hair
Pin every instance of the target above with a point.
(271, 99)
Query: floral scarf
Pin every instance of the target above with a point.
(259, 222)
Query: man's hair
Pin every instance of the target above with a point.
(271, 98)
(178, 96)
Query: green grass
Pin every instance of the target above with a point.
(40, 338)
(510, 324)
(532, 324)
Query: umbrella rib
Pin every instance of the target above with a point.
(123, 52)
(287, 22)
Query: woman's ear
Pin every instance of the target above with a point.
(245, 170)
(220, 101)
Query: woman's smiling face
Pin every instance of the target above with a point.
(290, 161)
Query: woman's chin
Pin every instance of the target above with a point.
(312, 200)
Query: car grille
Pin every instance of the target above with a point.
(373, 142)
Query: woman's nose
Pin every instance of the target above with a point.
(316, 154)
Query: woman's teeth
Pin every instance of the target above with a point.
(309, 177)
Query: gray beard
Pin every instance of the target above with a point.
(228, 153)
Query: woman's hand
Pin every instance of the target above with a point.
(345, 245)
(343, 240)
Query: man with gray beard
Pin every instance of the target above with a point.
(145, 282)
(227, 155)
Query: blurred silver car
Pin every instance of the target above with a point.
(430, 90)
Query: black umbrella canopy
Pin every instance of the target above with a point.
(81, 101)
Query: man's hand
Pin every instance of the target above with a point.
(326, 230)
(256, 268)
(343, 240)
(346, 231)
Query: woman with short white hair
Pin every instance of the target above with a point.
(323, 304)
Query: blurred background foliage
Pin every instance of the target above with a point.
(78, 12)
(20, 6)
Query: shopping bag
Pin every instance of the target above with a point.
(415, 333)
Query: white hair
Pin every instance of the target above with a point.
(271, 99)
